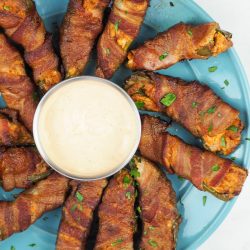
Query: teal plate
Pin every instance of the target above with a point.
(199, 221)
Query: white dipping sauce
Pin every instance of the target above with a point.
(88, 128)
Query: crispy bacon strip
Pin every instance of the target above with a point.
(15, 86)
(78, 214)
(121, 30)
(22, 24)
(159, 213)
(21, 167)
(81, 26)
(116, 214)
(46, 195)
(196, 107)
(207, 171)
(180, 42)
(13, 133)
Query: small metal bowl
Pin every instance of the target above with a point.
(42, 151)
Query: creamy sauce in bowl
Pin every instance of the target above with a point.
(87, 128)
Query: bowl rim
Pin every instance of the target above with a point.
(41, 149)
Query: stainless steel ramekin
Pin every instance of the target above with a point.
(43, 152)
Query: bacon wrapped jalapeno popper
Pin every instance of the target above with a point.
(23, 25)
(116, 214)
(180, 42)
(46, 195)
(78, 215)
(21, 168)
(207, 171)
(81, 26)
(122, 28)
(159, 212)
(15, 86)
(193, 105)
(13, 133)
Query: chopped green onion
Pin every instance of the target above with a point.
(181, 178)
(139, 104)
(73, 208)
(204, 200)
(163, 56)
(151, 228)
(190, 32)
(215, 167)
(116, 242)
(223, 141)
(152, 243)
(138, 209)
(226, 82)
(32, 245)
(194, 104)
(171, 4)
(212, 69)
(247, 139)
(233, 128)
(126, 180)
(79, 196)
(107, 51)
(117, 23)
(210, 128)
(211, 110)
(12, 248)
(5, 7)
(134, 172)
(128, 195)
(168, 99)
(233, 158)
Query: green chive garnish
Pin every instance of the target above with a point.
(79, 196)
(139, 209)
(73, 208)
(32, 245)
(116, 242)
(117, 23)
(233, 128)
(181, 178)
(204, 200)
(128, 195)
(226, 82)
(168, 99)
(194, 104)
(151, 228)
(163, 56)
(212, 69)
(223, 141)
(152, 243)
(126, 180)
(190, 32)
(215, 167)
(233, 158)
(211, 110)
(107, 51)
(139, 104)
(134, 172)
(5, 7)
(210, 128)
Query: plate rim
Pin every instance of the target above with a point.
(227, 207)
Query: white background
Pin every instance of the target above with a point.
(233, 15)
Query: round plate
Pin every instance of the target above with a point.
(198, 221)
